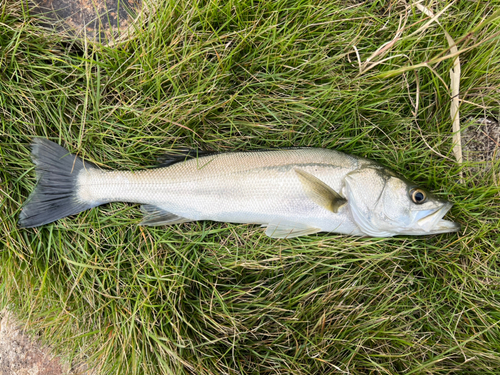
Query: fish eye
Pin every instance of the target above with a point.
(418, 196)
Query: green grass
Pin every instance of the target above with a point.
(218, 298)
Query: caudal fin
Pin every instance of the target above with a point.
(55, 195)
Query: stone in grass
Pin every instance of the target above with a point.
(481, 143)
(103, 21)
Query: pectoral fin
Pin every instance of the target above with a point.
(154, 215)
(287, 229)
(319, 192)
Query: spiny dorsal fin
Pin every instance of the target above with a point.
(319, 192)
(154, 215)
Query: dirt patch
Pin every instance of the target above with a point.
(19, 355)
(481, 142)
(99, 20)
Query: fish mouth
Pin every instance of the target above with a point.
(434, 223)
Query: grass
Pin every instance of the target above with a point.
(219, 298)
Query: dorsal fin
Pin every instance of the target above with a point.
(181, 154)
(178, 155)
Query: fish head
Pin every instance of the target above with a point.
(384, 205)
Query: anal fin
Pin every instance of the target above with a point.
(288, 229)
(154, 215)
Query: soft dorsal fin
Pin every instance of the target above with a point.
(319, 192)
(288, 229)
(154, 215)
(182, 154)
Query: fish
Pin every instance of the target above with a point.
(290, 192)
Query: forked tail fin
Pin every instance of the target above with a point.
(55, 194)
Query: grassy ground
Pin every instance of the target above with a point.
(216, 298)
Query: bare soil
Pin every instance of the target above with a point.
(20, 355)
(95, 19)
(481, 142)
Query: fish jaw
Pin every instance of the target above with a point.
(445, 226)
(432, 222)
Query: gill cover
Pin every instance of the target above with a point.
(364, 191)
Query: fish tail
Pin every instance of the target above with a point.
(55, 195)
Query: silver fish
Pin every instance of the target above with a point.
(291, 192)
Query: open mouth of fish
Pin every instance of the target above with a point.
(434, 222)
